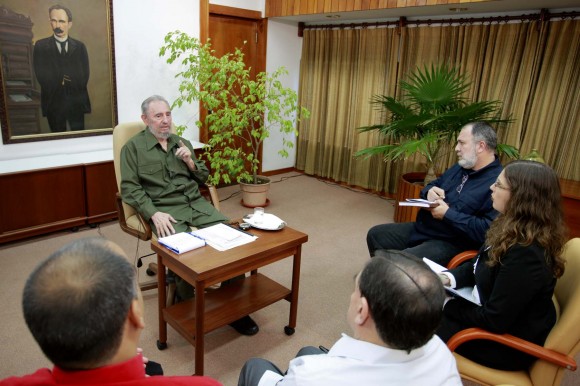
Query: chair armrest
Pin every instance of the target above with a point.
(461, 258)
(144, 234)
(513, 342)
(210, 193)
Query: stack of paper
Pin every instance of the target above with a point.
(419, 202)
(182, 242)
(223, 237)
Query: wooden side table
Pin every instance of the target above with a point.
(206, 266)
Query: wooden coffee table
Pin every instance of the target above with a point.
(206, 266)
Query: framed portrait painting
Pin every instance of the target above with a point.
(57, 72)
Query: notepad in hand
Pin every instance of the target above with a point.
(465, 292)
(418, 202)
(182, 242)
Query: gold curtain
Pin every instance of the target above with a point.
(553, 120)
(529, 66)
(341, 70)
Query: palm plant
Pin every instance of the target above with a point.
(429, 115)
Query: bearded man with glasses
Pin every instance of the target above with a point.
(464, 209)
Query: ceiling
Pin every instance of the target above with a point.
(491, 8)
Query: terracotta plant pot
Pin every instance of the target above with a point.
(254, 195)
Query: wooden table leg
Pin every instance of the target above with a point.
(289, 330)
(161, 301)
(199, 329)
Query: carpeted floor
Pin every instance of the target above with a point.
(335, 218)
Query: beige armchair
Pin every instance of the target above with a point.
(557, 354)
(129, 220)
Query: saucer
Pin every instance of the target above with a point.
(269, 222)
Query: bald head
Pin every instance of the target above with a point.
(76, 302)
(405, 298)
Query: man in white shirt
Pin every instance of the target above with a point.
(394, 311)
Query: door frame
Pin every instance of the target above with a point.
(205, 10)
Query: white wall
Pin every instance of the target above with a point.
(254, 5)
(285, 54)
(141, 72)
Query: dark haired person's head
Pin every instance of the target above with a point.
(77, 301)
(534, 191)
(405, 299)
(527, 194)
(60, 21)
(63, 8)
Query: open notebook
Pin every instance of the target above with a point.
(465, 292)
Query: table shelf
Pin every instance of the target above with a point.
(225, 304)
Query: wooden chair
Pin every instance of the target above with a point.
(461, 258)
(561, 346)
(129, 219)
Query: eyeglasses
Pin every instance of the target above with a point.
(498, 185)
(463, 181)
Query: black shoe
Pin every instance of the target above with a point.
(153, 368)
(245, 326)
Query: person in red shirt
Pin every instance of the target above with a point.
(84, 308)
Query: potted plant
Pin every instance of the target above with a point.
(242, 111)
(429, 115)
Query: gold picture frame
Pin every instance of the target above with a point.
(29, 54)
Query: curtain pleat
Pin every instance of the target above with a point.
(338, 80)
(530, 66)
(553, 124)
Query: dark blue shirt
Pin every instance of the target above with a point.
(470, 210)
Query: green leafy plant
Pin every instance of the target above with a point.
(241, 110)
(429, 115)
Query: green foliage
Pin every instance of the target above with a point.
(241, 110)
(430, 113)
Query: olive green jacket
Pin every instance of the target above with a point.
(153, 180)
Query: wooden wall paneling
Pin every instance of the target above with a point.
(38, 202)
(42, 201)
(312, 5)
(327, 5)
(289, 8)
(273, 8)
(303, 9)
(101, 189)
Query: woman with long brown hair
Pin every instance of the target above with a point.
(515, 272)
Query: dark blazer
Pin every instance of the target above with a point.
(516, 297)
(470, 212)
(50, 68)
